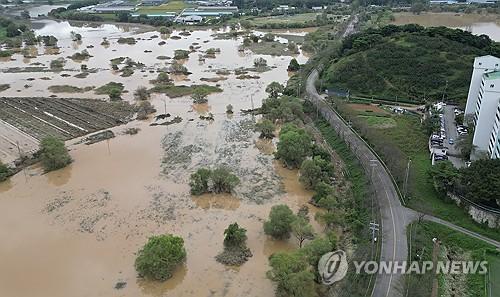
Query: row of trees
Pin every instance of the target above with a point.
(479, 182)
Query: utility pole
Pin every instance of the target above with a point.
(251, 101)
(298, 89)
(165, 105)
(406, 178)
(373, 164)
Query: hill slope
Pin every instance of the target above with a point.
(410, 62)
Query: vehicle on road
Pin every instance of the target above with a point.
(451, 141)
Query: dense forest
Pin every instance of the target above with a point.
(408, 62)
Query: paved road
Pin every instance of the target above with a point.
(394, 216)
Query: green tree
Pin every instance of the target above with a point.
(294, 65)
(234, 236)
(223, 181)
(199, 96)
(292, 275)
(160, 256)
(302, 230)
(444, 175)
(199, 181)
(115, 95)
(310, 174)
(481, 181)
(53, 154)
(280, 221)
(316, 248)
(275, 89)
(229, 109)
(4, 172)
(266, 128)
(294, 146)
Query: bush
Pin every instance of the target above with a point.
(280, 221)
(235, 250)
(160, 256)
(54, 154)
(294, 65)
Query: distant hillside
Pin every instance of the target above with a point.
(410, 62)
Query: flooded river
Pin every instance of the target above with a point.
(75, 231)
(488, 24)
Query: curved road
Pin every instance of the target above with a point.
(394, 216)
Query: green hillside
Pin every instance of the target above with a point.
(408, 62)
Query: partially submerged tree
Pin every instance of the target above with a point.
(160, 256)
(280, 221)
(294, 65)
(275, 89)
(4, 172)
(292, 275)
(142, 93)
(199, 181)
(260, 62)
(229, 109)
(266, 128)
(219, 180)
(302, 230)
(199, 96)
(234, 236)
(223, 181)
(294, 146)
(235, 249)
(53, 154)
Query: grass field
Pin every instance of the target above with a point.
(283, 19)
(455, 246)
(493, 278)
(408, 135)
(173, 6)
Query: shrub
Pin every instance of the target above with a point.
(280, 221)
(160, 256)
(294, 65)
(260, 62)
(229, 109)
(54, 154)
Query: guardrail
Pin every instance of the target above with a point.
(398, 190)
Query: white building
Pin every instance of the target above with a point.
(483, 106)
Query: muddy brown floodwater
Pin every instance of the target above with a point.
(75, 231)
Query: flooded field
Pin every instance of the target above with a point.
(75, 232)
(488, 24)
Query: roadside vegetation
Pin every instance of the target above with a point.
(53, 154)
(405, 138)
(407, 63)
(4, 172)
(451, 246)
(159, 258)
